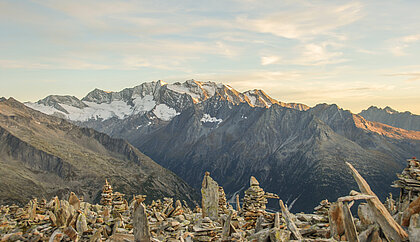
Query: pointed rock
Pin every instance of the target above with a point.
(335, 216)
(74, 201)
(81, 224)
(238, 205)
(277, 220)
(210, 197)
(253, 182)
(140, 223)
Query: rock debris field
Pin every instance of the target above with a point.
(116, 219)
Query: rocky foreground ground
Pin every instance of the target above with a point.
(165, 220)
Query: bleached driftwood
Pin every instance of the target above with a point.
(392, 230)
(289, 221)
(349, 227)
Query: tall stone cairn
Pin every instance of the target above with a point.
(106, 199)
(210, 197)
(409, 183)
(118, 202)
(254, 203)
(223, 209)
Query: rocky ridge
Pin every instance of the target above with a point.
(387, 115)
(42, 156)
(157, 99)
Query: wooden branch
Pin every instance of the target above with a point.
(357, 197)
(392, 230)
(289, 221)
(349, 227)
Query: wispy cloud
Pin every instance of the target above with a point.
(52, 64)
(319, 54)
(410, 76)
(398, 46)
(309, 54)
(268, 60)
(312, 20)
(301, 50)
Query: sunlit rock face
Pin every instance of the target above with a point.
(293, 150)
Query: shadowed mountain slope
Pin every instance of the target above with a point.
(42, 156)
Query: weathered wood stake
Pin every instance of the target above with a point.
(392, 230)
(289, 221)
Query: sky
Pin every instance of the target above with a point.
(351, 53)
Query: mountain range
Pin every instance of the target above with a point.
(387, 115)
(296, 151)
(43, 156)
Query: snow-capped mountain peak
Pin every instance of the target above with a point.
(156, 99)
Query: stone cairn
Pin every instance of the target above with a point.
(409, 184)
(223, 208)
(106, 198)
(254, 203)
(166, 220)
(118, 202)
(323, 208)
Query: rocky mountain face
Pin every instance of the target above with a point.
(294, 151)
(42, 156)
(387, 115)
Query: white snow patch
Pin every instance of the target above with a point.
(251, 98)
(44, 109)
(144, 104)
(181, 89)
(163, 112)
(209, 89)
(209, 119)
(118, 109)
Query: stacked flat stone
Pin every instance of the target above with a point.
(409, 183)
(323, 208)
(271, 195)
(106, 194)
(118, 202)
(254, 203)
(168, 222)
(206, 230)
(223, 209)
